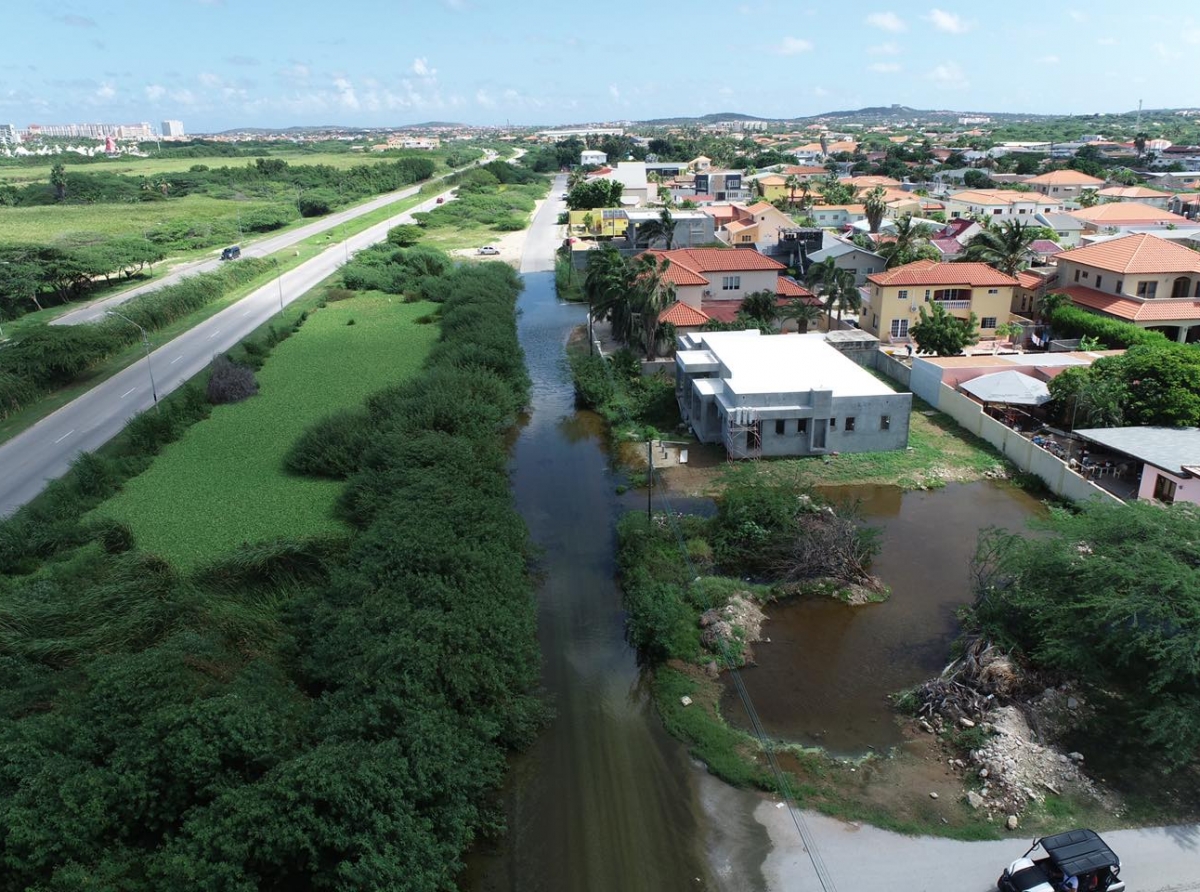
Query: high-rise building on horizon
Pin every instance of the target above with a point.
(172, 128)
(141, 132)
(9, 135)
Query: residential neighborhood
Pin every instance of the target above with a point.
(485, 450)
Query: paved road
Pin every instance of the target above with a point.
(46, 450)
(262, 248)
(1157, 859)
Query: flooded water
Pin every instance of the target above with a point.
(605, 800)
(824, 677)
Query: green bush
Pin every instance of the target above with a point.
(1069, 321)
(334, 446)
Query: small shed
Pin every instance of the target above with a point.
(1007, 388)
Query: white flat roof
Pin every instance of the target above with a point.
(762, 364)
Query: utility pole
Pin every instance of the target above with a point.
(650, 482)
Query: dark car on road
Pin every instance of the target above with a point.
(233, 252)
(1076, 860)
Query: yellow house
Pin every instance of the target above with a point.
(598, 223)
(894, 297)
(773, 187)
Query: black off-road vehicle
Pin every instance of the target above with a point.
(1080, 855)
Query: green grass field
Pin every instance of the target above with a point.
(18, 174)
(53, 223)
(224, 483)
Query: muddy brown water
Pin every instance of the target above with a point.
(824, 677)
(605, 799)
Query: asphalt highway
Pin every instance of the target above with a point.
(263, 248)
(46, 450)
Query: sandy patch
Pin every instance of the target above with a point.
(511, 245)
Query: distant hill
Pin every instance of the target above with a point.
(704, 119)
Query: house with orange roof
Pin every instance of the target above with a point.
(866, 183)
(1000, 204)
(1156, 198)
(715, 281)
(1064, 184)
(1186, 204)
(758, 225)
(804, 172)
(895, 296)
(1149, 281)
(772, 186)
(1118, 215)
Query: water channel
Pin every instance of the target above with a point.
(605, 800)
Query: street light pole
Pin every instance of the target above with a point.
(279, 282)
(146, 347)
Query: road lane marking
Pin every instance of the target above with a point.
(129, 391)
(213, 335)
(247, 313)
(176, 359)
(64, 436)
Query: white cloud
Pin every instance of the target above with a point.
(949, 76)
(885, 67)
(614, 92)
(1050, 60)
(887, 21)
(1166, 53)
(154, 92)
(884, 49)
(106, 91)
(209, 79)
(725, 91)
(346, 96)
(1077, 16)
(183, 97)
(820, 91)
(1191, 36)
(420, 68)
(792, 46)
(456, 5)
(297, 73)
(948, 22)
(484, 99)
(1106, 41)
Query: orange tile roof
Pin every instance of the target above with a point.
(1132, 309)
(683, 316)
(679, 274)
(1141, 253)
(1133, 192)
(1066, 178)
(863, 181)
(719, 260)
(761, 207)
(1000, 196)
(931, 272)
(848, 208)
(1030, 281)
(1127, 212)
(803, 170)
(789, 288)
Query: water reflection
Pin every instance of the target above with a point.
(824, 677)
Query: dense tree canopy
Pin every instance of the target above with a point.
(942, 334)
(1110, 597)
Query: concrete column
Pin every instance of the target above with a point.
(1183, 333)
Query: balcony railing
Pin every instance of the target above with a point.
(954, 304)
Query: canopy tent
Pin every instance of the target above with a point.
(1008, 388)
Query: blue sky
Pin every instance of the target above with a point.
(218, 64)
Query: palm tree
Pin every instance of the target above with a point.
(606, 284)
(875, 207)
(662, 228)
(651, 294)
(793, 183)
(802, 311)
(58, 179)
(1007, 248)
(1088, 198)
(760, 306)
(834, 286)
(909, 239)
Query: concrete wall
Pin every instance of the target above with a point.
(894, 369)
(1059, 478)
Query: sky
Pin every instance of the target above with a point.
(222, 64)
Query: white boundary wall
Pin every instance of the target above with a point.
(1059, 478)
